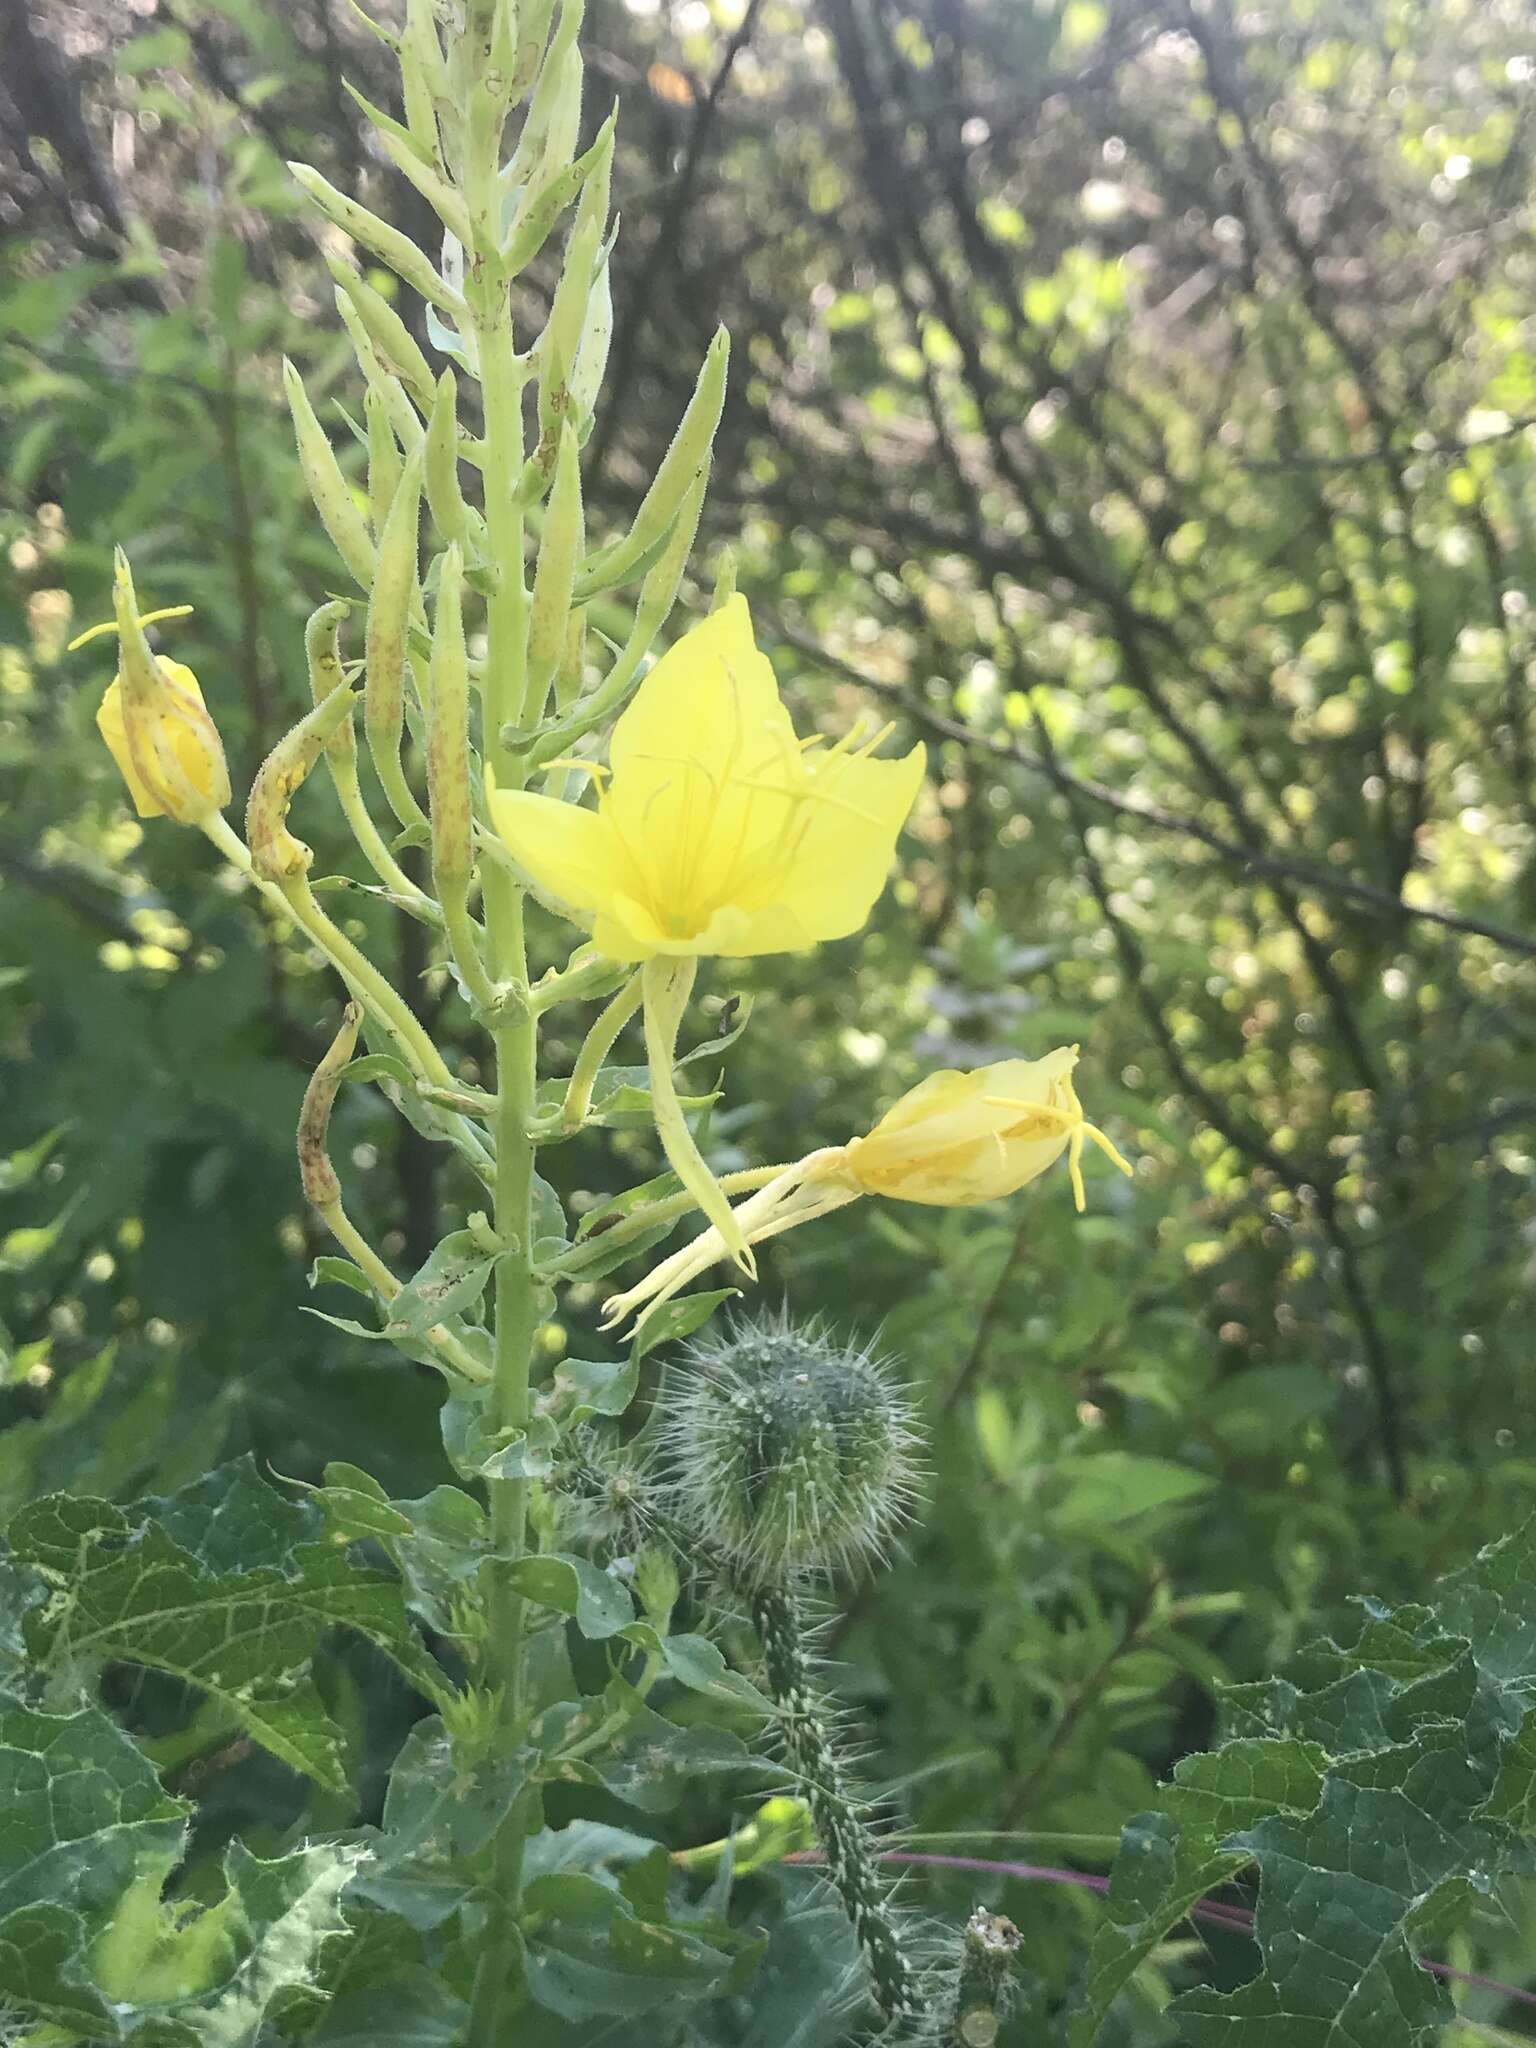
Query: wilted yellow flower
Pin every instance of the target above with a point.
(953, 1140)
(960, 1138)
(155, 723)
(717, 830)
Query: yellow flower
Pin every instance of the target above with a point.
(176, 730)
(960, 1138)
(155, 723)
(718, 831)
(953, 1140)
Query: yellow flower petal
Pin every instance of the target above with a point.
(853, 811)
(567, 849)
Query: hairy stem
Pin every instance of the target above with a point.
(517, 1309)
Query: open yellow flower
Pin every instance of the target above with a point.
(717, 830)
(953, 1140)
(155, 723)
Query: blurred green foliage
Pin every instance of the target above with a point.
(1136, 402)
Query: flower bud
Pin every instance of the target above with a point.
(685, 461)
(423, 76)
(275, 854)
(562, 331)
(389, 614)
(156, 727)
(440, 462)
(560, 549)
(398, 252)
(448, 746)
(567, 74)
(791, 1452)
(532, 28)
(384, 464)
(392, 339)
(404, 152)
(533, 61)
(656, 1585)
(586, 378)
(329, 489)
(386, 386)
(532, 228)
(321, 1187)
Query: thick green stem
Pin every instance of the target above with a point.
(517, 1307)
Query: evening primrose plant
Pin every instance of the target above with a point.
(658, 809)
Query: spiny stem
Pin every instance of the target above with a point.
(851, 1861)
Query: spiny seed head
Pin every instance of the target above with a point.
(789, 1451)
(607, 1485)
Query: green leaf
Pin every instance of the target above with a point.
(656, 1760)
(355, 1505)
(574, 1586)
(1371, 1792)
(83, 1811)
(600, 1386)
(1109, 1487)
(438, 1807)
(341, 1273)
(735, 1017)
(673, 1320)
(415, 2012)
(621, 1099)
(226, 1586)
(588, 1952)
(287, 1910)
(452, 1280)
(479, 1451)
(443, 1551)
(695, 1662)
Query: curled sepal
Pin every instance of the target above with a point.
(687, 456)
(448, 744)
(667, 983)
(275, 854)
(155, 724)
(322, 1189)
(332, 494)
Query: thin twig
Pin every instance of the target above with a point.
(1250, 860)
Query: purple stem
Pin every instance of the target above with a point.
(1236, 1917)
